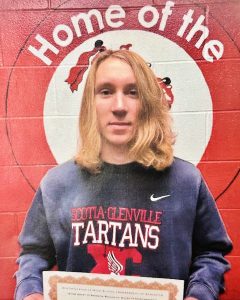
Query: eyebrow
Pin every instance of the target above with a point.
(104, 84)
(110, 85)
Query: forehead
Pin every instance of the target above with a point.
(114, 70)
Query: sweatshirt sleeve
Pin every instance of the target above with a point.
(210, 244)
(38, 253)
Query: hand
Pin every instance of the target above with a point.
(35, 296)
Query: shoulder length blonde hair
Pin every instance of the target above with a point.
(152, 145)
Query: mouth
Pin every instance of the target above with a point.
(119, 123)
(119, 126)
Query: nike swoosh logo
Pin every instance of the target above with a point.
(152, 198)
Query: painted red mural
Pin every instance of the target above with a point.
(193, 43)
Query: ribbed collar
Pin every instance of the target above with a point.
(122, 168)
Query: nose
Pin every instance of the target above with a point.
(119, 106)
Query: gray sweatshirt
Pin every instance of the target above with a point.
(127, 220)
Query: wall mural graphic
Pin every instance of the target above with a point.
(190, 46)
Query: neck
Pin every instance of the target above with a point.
(115, 155)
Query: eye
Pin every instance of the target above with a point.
(105, 92)
(133, 92)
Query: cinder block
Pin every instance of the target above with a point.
(61, 4)
(173, 29)
(223, 79)
(18, 185)
(197, 2)
(1, 59)
(226, 14)
(223, 179)
(18, 27)
(8, 235)
(34, 174)
(23, 4)
(4, 75)
(191, 139)
(6, 154)
(232, 222)
(229, 198)
(218, 32)
(224, 144)
(27, 91)
(7, 284)
(232, 280)
(15, 191)
(20, 221)
(26, 25)
(29, 142)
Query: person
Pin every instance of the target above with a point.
(124, 204)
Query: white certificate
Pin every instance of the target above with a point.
(88, 286)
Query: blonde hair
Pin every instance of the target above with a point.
(152, 144)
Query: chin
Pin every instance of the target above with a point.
(119, 141)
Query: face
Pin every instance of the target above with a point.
(117, 103)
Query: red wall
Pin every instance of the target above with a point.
(25, 154)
